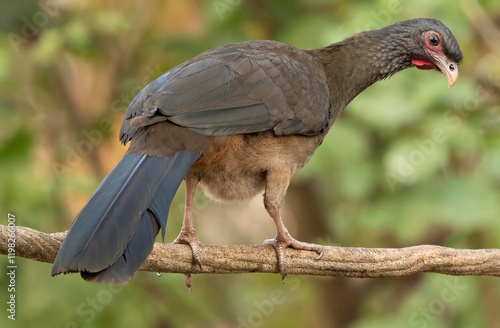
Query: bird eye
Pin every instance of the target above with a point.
(433, 39)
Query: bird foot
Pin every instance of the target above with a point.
(188, 282)
(189, 237)
(282, 242)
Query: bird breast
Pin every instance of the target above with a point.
(236, 167)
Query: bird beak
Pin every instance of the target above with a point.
(448, 67)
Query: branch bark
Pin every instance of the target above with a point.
(336, 261)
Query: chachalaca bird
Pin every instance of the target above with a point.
(239, 120)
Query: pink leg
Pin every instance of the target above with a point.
(188, 234)
(277, 184)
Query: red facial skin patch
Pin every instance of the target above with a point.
(421, 63)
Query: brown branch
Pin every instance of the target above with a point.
(336, 261)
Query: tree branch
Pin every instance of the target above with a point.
(336, 261)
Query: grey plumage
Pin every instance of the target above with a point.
(129, 202)
(239, 120)
(241, 88)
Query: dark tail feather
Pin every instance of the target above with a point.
(132, 258)
(115, 231)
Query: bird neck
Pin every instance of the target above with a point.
(354, 64)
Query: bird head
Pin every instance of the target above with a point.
(433, 46)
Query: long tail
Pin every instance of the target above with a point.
(115, 231)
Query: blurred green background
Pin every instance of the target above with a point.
(409, 162)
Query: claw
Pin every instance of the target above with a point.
(188, 282)
(195, 248)
(189, 237)
(289, 241)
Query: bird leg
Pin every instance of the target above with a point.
(277, 184)
(188, 234)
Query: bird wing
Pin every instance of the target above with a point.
(243, 88)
